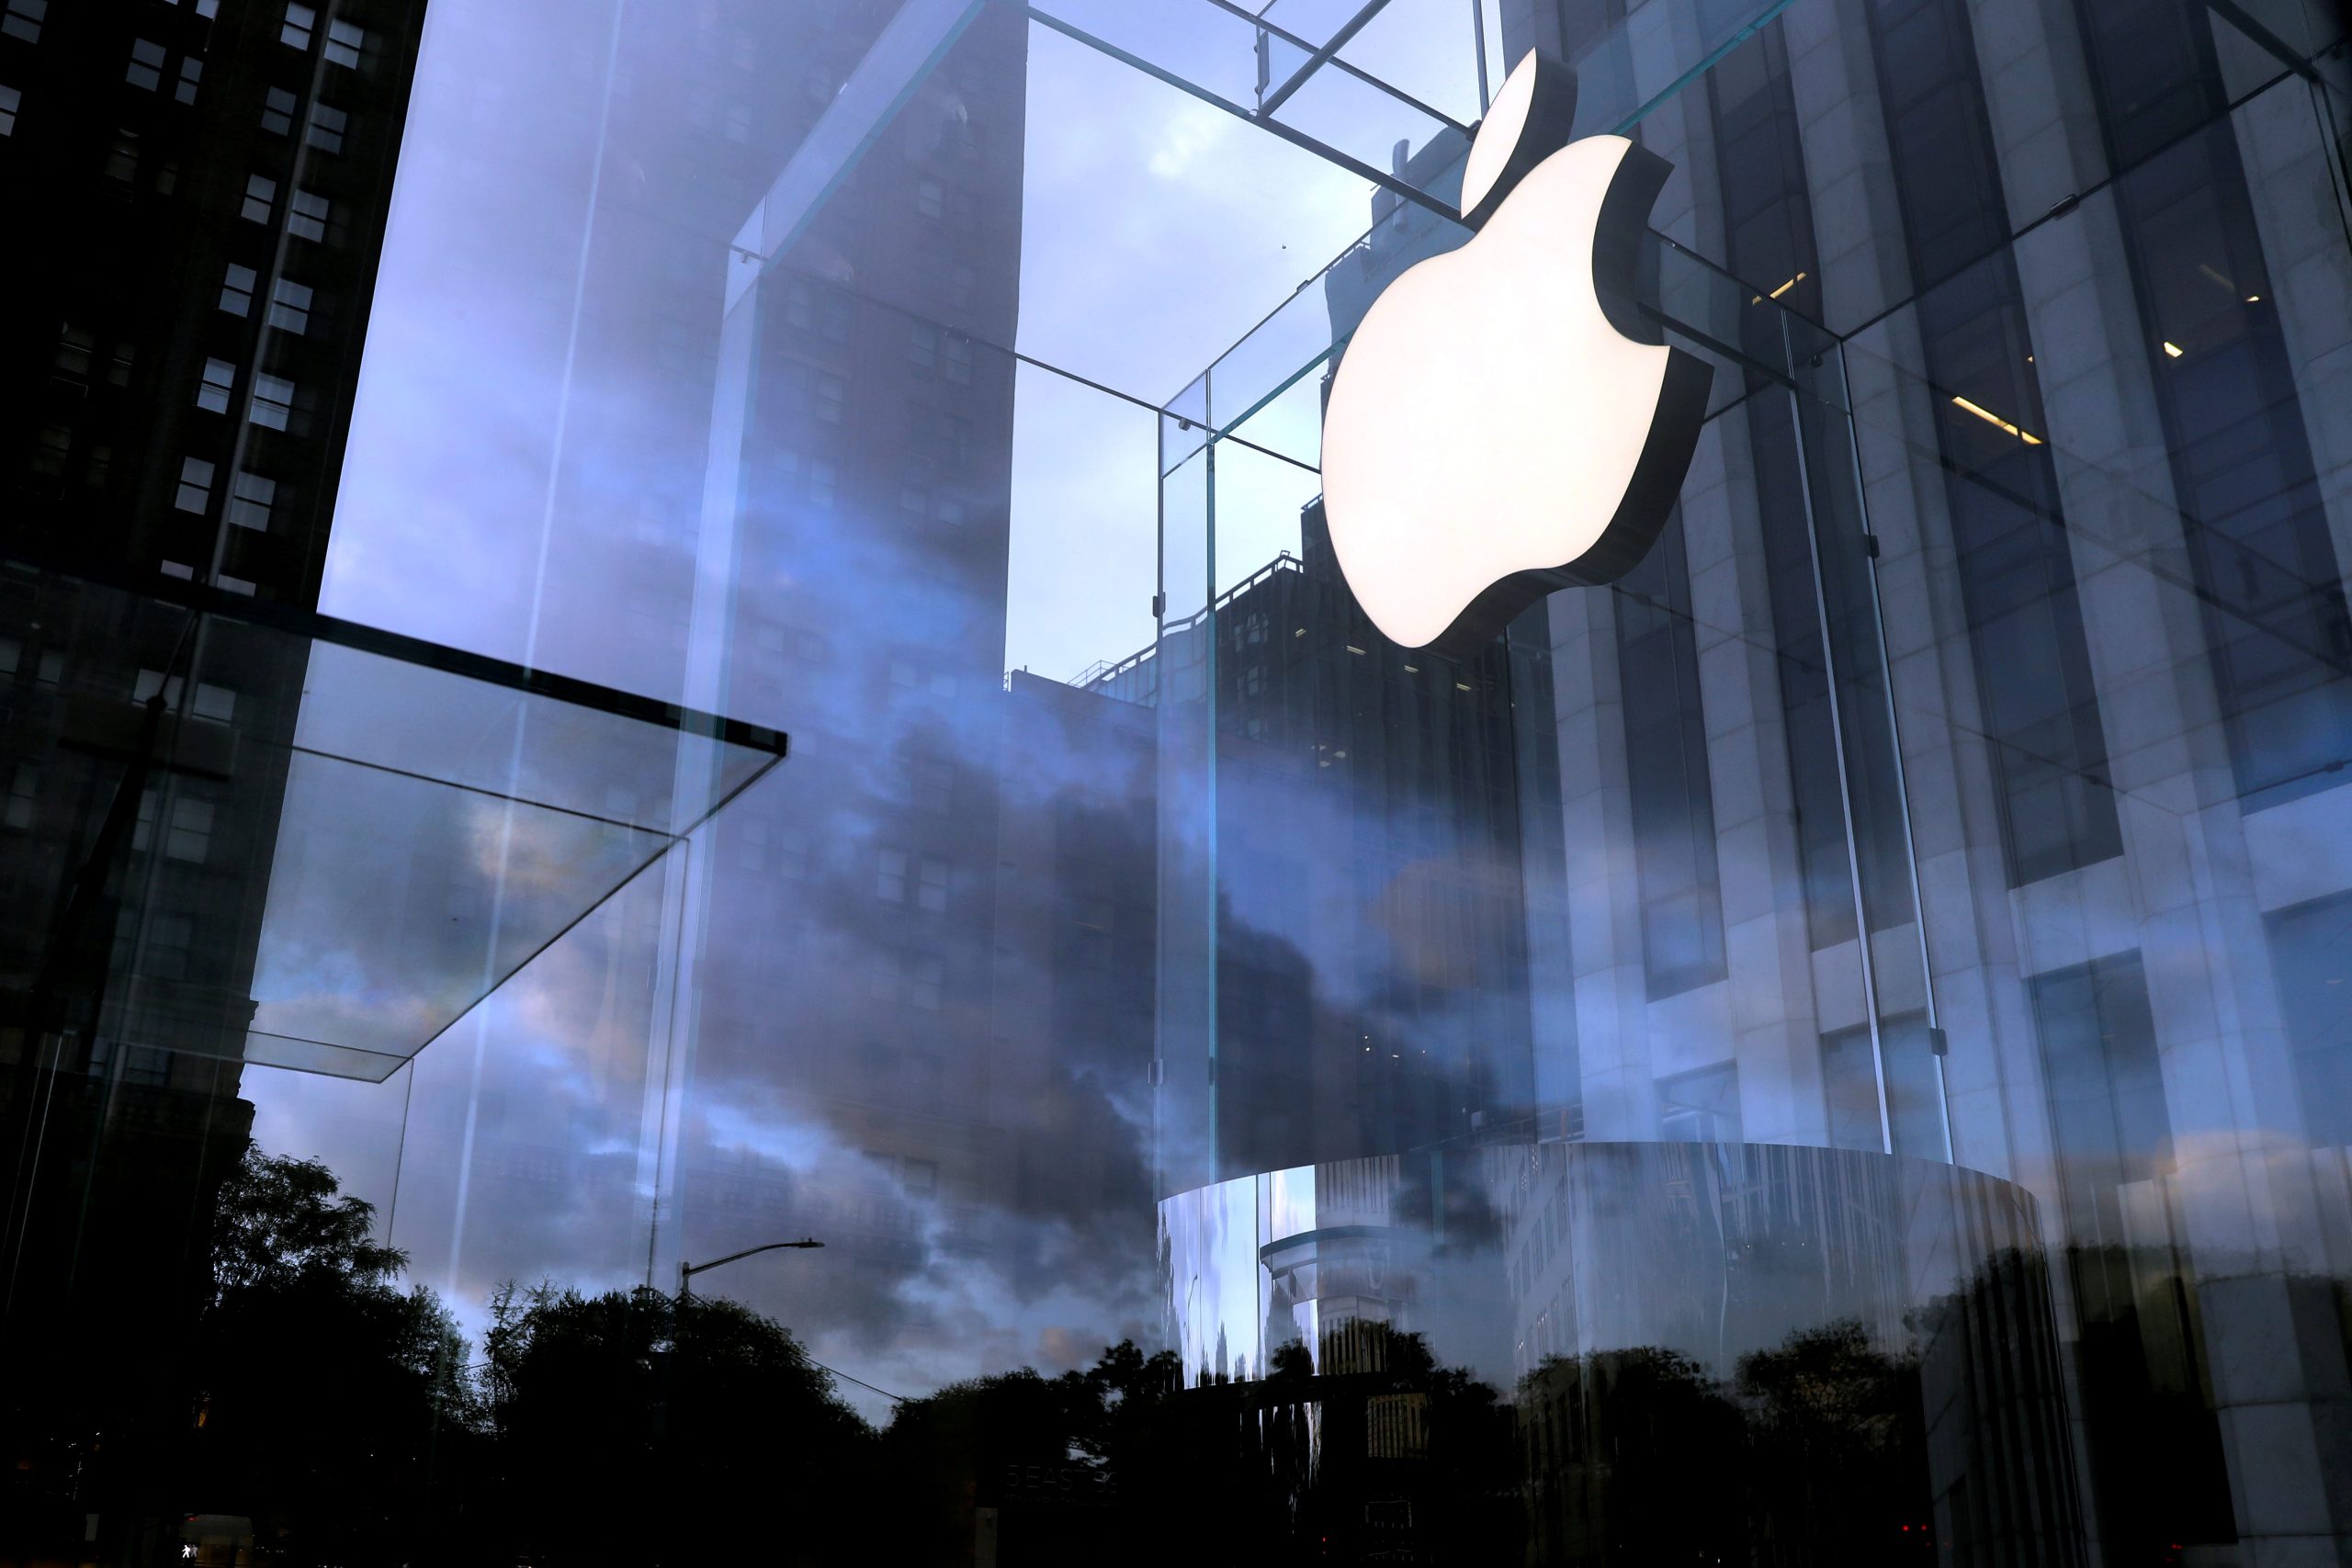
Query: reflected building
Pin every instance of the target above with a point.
(200, 196)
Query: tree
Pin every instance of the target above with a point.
(331, 1407)
(626, 1429)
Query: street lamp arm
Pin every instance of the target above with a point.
(689, 1270)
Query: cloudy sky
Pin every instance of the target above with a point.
(528, 455)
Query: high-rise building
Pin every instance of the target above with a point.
(199, 197)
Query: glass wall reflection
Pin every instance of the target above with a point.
(672, 629)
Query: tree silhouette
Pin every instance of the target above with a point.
(328, 1400)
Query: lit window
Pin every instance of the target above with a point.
(23, 18)
(195, 485)
(301, 23)
(273, 403)
(250, 499)
(306, 217)
(289, 306)
(146, 68)
(261, 193)
(931, 893)
(237, 290)
(890, 876)
(344, 41)
(10, 101)
(327, 126)
(23, 790)
(277, 111)
(191, 72)
(212, 393)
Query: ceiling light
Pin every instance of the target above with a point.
(1989, 417)
(2172, 348)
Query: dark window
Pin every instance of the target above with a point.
(1666, 761)
(2017, 578)
(2310, 954)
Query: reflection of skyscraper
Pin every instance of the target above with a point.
(1372, 973)
(199, 195)
(867, 614)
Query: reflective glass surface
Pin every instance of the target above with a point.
(1827, 1047)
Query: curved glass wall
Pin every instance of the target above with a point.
(634, 636)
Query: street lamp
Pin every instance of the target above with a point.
(689, 1270)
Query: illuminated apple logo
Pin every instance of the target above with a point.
(1504, 421)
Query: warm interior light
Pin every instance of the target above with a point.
(2172, 348)
(2253, 299)
(1788, 285)
(1989, 417)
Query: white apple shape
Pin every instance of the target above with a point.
(1504, 421)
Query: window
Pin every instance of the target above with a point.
(882, 975)
(327, 126)
(237, 290)
(344, 41)
(195, 485)
(924, 350)
(23, 18)
(890, 876)
(306, 214)
(289, 306)
(188, 835)
(24, 789)
(146, 68)
(260, 192)
(931, 892)
(212, 393)
(959, 360)
(179, 569)
(75, 345)
(53, 445)
(301, 23)
(926, 980)
(12, 655)
(191, 72)
(1701, 1107)
(2311, 956)
(122, 157)
(10, 101)
(250, 497)
(277, 111)
(273, 403)
(1665, 764)
(931, 198)
(934, 785)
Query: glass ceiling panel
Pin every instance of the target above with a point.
(431, 820)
